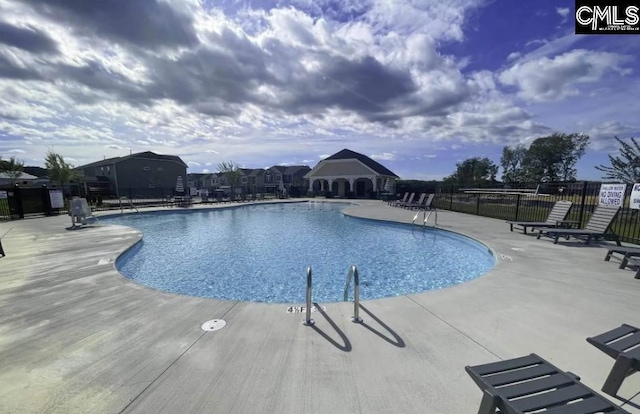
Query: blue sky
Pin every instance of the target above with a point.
(418, 85)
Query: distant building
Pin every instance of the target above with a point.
(23, 180)
(350, 174)
(135, 175)
(276, 179)
(281, 178)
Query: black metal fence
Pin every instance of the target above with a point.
(529, 205)
(18, 203)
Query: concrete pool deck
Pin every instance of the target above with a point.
(77, 337)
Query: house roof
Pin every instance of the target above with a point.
(347, 154)
(279, 168)
(22, 176)
(146, 154)
(292, 169)
(197, 175)
(257, 172)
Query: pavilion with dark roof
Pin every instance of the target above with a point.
(348, 173)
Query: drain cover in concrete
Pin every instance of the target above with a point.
(213, 325)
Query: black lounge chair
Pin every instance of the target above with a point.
(620, 344)
(418, 203)
(627, 253)
(530, 383)
(597, 226)
(556, 218)
(404, 203)
(425, 204)
(404, 200)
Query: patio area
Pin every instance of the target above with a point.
(77, 337)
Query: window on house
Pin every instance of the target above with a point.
(243, 180)
(146, 168)
(278, 178)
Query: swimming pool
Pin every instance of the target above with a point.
(260, 253)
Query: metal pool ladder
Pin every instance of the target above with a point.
(308, 321)
(130, 204)
(353, 274)
(426, 216)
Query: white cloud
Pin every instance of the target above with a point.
(602, 136)
(514, 55)
(562, 11)
(385, 156)
(283, 83)
(193, 164)
(16, 151)
(206, 171)
(548, 79)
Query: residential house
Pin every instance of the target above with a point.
(135, 175)
(282, 178)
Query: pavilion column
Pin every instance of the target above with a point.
(375, 183)
(351, 181)
(311, 180)
(330, 182)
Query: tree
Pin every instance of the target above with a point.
(12, 167)
(551, 158)
(512, 162)
(626, 166)
(58, 169)
(473, 172)
(231, 170)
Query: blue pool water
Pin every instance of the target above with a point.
(260, 253)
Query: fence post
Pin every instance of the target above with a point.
(517, 206)
(18, 195)
(451, 199)
(582, 201)
(46, 200)
(478, 206)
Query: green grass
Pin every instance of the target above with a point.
(5, 211)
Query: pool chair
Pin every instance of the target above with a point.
(597, 226)
(626, 252)
(556, 218)
(404, 203)
(404, 199)
(416, 204)
(530, 383)
(620, 344)
(424, 203)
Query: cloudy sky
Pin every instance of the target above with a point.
(417, 84)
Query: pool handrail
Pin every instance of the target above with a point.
(353, 274)
(308, 321)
